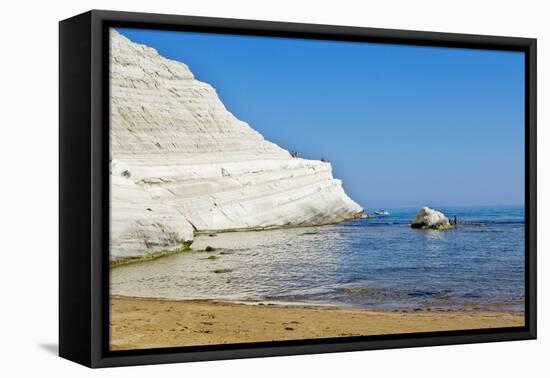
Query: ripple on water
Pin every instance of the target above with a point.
(370, 263)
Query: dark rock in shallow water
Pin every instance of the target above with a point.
(226, 270)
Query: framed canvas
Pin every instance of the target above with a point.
(235, 188)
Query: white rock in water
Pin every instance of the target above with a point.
(430, 218)
(181, 162)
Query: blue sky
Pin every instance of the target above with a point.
(401, 125)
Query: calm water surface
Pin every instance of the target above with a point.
(370, 263)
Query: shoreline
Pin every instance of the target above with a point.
(186, 246)
(138, 323)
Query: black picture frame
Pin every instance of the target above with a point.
(84, 188)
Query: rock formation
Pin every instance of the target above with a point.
(181, 163)
(428, 218)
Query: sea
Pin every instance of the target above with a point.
(378, 264)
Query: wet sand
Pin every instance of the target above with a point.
(138, 323)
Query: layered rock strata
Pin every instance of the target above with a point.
(181, 163)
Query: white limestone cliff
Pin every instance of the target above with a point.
(181, 163)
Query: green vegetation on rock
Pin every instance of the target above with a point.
(185, 246)
(441, 227)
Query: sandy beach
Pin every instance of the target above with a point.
(138, 323)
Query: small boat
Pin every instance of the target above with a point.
(381, 212)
